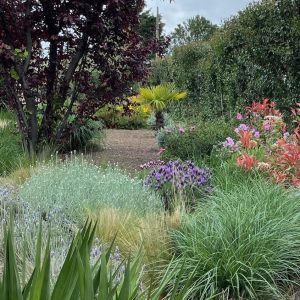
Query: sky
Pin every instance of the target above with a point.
(180, 10)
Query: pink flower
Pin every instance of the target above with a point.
(256, 134)
(267, 127)
(181, 130)
(242, 127)
(229, 143)
(161, 150)
(239, 116)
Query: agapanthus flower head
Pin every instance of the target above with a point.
(286, 135)
(180, 175)
(4, 191)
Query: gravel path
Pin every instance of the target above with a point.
(128, 148)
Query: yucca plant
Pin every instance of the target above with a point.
(158, 98)
(78, 278)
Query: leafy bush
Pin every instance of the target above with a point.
(75, 186)
(235, 66)
(123, 116)
(244, 243)
(11, 151)
(82, 136)
(194, 142)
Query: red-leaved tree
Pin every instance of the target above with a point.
(62, 58)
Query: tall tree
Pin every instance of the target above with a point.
(61, 59)
(147, 28)
(194, 29)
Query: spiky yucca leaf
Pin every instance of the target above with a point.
(77, 280)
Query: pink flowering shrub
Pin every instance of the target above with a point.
(264, 131)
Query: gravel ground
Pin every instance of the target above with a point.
(128, 148)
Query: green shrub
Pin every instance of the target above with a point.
(194, 142)
(82, 136)
(75, 186)
(113, 118)
(11, 151)
(242, 244)
(135, 121)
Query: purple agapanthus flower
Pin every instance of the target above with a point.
(180, 175)
(256, 134)
(229, 142)
(242, 127)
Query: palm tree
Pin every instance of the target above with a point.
(158, 98)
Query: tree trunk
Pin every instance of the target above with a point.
(159, 120)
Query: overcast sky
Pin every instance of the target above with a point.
(180, 10)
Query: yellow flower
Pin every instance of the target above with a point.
(145, 109)
(132, 98)
(130, 107)
(119, 107)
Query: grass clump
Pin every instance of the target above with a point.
(242, 244)
(75, 187)
(11, 151)
(132, 232)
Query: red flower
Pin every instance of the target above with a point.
(246, 161)
(279, 176)
(295, 180)
(266, 108)
(246, 141)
